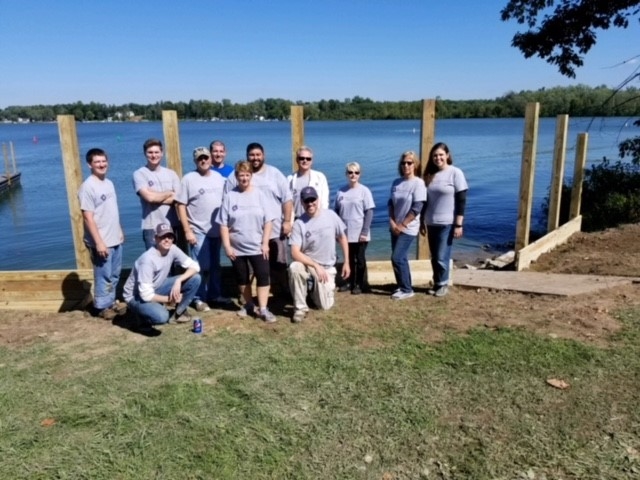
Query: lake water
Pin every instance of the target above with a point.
(34, 218)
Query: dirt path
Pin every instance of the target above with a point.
(588, 317)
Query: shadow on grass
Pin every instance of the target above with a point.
(129, 322)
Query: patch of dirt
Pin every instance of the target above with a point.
(615, 251)
(589, 318)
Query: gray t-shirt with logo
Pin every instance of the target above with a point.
(202, 195)
(245, 215)
(159, 180)
(316, 236)
(99, 196)
(441, 191)
(350, 204)
(276, 191)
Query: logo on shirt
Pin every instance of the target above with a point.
(150, 183)
(201, 191)
(103, 197)
(307, 235)
(234, 208)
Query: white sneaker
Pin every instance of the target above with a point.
(400, 295)
(200, 306)
(267, 316)
(298, 316)
(441, 291)
(248, 310)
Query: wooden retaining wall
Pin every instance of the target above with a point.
(46, 290)
(66, 290)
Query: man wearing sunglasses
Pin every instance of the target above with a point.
(313, 250)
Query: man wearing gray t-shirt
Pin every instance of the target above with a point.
(152, 294)
(313, 249)
(102, 234)
(198, 202)
(157, 187)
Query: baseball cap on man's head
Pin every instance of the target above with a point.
(308, 193)
(201, 152)
(163, 229)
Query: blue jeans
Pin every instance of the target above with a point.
(440, 239)
(106, 275)
(155, 313)
(206, 252)
(149, 238)
(400, 260)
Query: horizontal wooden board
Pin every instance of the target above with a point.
(551, 240)
(45, 290)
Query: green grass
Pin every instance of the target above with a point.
(327, 404)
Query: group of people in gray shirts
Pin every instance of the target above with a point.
(277, 230)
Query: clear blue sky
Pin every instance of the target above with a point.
(142, 51)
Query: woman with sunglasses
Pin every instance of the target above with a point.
(408, 194)
(444, 213)
(354, 205)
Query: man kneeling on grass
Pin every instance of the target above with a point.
(150, 292)
(313, 249)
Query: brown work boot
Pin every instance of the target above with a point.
(119, 307)
(107, 314)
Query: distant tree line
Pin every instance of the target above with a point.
(577, 101)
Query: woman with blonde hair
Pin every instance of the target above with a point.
(245, 229)
(354, 205)
(408, 194)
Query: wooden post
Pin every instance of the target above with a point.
(557, 180)
(527, 171)
(13, 157)
(427, 138)
(172, 141)
(6, 163)
(73, 177)
(578, 175)
(297, 133)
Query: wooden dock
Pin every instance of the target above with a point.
(9, 181)
(11, 176)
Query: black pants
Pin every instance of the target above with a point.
(358, 265)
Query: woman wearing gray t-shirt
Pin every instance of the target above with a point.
(443, 212)
(245, 229)
(354, 205)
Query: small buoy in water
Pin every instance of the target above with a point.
(35, 139)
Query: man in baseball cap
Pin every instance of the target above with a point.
(150, 292)
(198, 203)
(313, 250)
